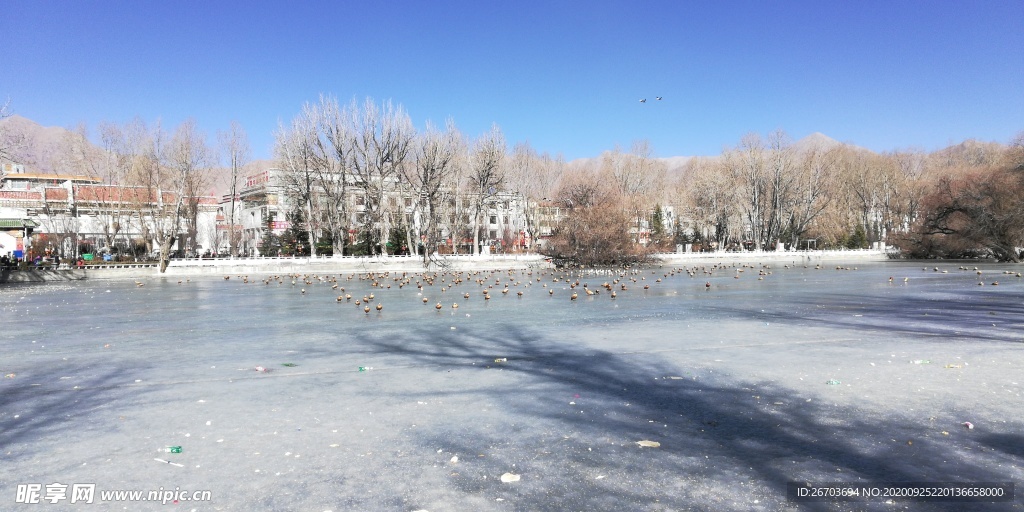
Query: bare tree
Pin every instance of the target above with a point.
(713, 201)
(294, 149)
(781, 176)
(382, 140)
(60, 220)
(111, 202)
(334, 159)
(197, 186)
(486, 176)
(436, 159)
(534, 177)
(912, 165)
(595, 231)
(746, 165)
(180, 167)
(765, 176)
(455, 211)
(640, 180)
(153, 178)
(813, 184)
(317, 153)
(234, 145)
(976, 213)
(971, 207)
(133, 154)
(864, 183)
(900, 179)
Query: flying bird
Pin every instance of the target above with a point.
(643, 100)
(658, 98)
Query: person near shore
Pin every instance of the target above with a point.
(80, 263)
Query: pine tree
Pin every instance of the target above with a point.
(657, 226)
(859, 239)
(270, 244)
(295, 240)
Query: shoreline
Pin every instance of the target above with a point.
(257, 266)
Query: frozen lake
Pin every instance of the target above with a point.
(733, 381)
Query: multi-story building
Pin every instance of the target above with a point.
(506, 223)
(260, 204)
(70, 215)
(546, 216)
(263, 203)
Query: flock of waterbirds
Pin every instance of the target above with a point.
(575, 283)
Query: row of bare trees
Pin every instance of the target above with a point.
(974, 205)
(764, 193)
(364, 165)
(344, 166)
(152, 183)
(769, 192)
(151, 178)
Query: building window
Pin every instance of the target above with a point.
(492, 234)
(494, 219)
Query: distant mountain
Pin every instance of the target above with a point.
(42, 149)
(971, 153)
(675, 164)
(816, 140)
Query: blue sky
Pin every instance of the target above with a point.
(565, 76)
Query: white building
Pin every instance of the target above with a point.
(69, 215)
(263, 204)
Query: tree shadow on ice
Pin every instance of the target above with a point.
(47, 404)
(1010, 444)
(724, 442)
(910, 315)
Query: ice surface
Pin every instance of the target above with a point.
(730, 379)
